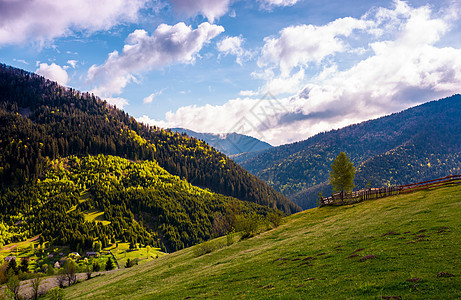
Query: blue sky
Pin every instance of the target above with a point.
(278, 70)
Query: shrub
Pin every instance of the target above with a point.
(96, 266)
(230, 237)
(274, 219)
(50, 271)
(56, 294)
(207, 247)
(248, 224)
(13, 283)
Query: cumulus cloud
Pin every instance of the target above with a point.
(305, 44)
(233, 46)
(44, 20)
(167, 45)
(119, 102)
(211, 9)
(403, 66)
(297, 47)
(53, 72)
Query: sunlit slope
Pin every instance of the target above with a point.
(318, 253)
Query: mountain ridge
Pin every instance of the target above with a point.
(416, 144)
(228, 143)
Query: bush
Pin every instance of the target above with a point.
(13, 283)
(274, 219)
(248, 224)
(96, 266)
(56, 294)
(7, 295)
(230, 237)
(50, 271)
(131, 262)
(207, 247)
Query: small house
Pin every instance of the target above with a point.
(10, 258)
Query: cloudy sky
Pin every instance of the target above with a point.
(278, 70)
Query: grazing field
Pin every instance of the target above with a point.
(95, 215)
(404, 246)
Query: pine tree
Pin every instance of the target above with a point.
(110, 264)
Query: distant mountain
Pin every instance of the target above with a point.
(63, 152)
(419, 143)
(227, 143)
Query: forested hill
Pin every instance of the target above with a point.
(417, 144)
(228, 143)
(41, 121)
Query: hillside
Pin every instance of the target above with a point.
(392, 247)
(227, 143)
(414, 145)
(138, 202)
(64, 154)
(41, 120)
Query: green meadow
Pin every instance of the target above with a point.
(405, 246)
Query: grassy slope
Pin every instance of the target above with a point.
(267, 266)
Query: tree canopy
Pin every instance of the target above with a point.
(342, 174)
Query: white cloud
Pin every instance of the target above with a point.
(248, 93)
(150, 98)
(167, 45)
(403, 67)
(284, 84)
(72, 63)
(21, 61)
(53, 72)
(148, 121)
(44, 20)
(304, 44)
(119, 102)
(269, 4)
(211, 9)
(233, 46)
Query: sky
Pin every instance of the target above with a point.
(278, 70)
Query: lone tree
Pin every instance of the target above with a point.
(109, 264)
(342, 174)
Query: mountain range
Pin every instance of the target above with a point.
(228, 143)
(417, 144)
(64, 153)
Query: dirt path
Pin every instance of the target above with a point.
(13, 246)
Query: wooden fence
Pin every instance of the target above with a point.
(374, 193)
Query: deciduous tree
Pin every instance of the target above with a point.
(342, 174)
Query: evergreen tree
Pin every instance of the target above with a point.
(342, 174)
(24, 266)
(110, 264)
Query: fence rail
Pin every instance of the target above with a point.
(374, 193)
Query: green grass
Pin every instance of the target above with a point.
(412, 236)
(95, 215)
(122, 253)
